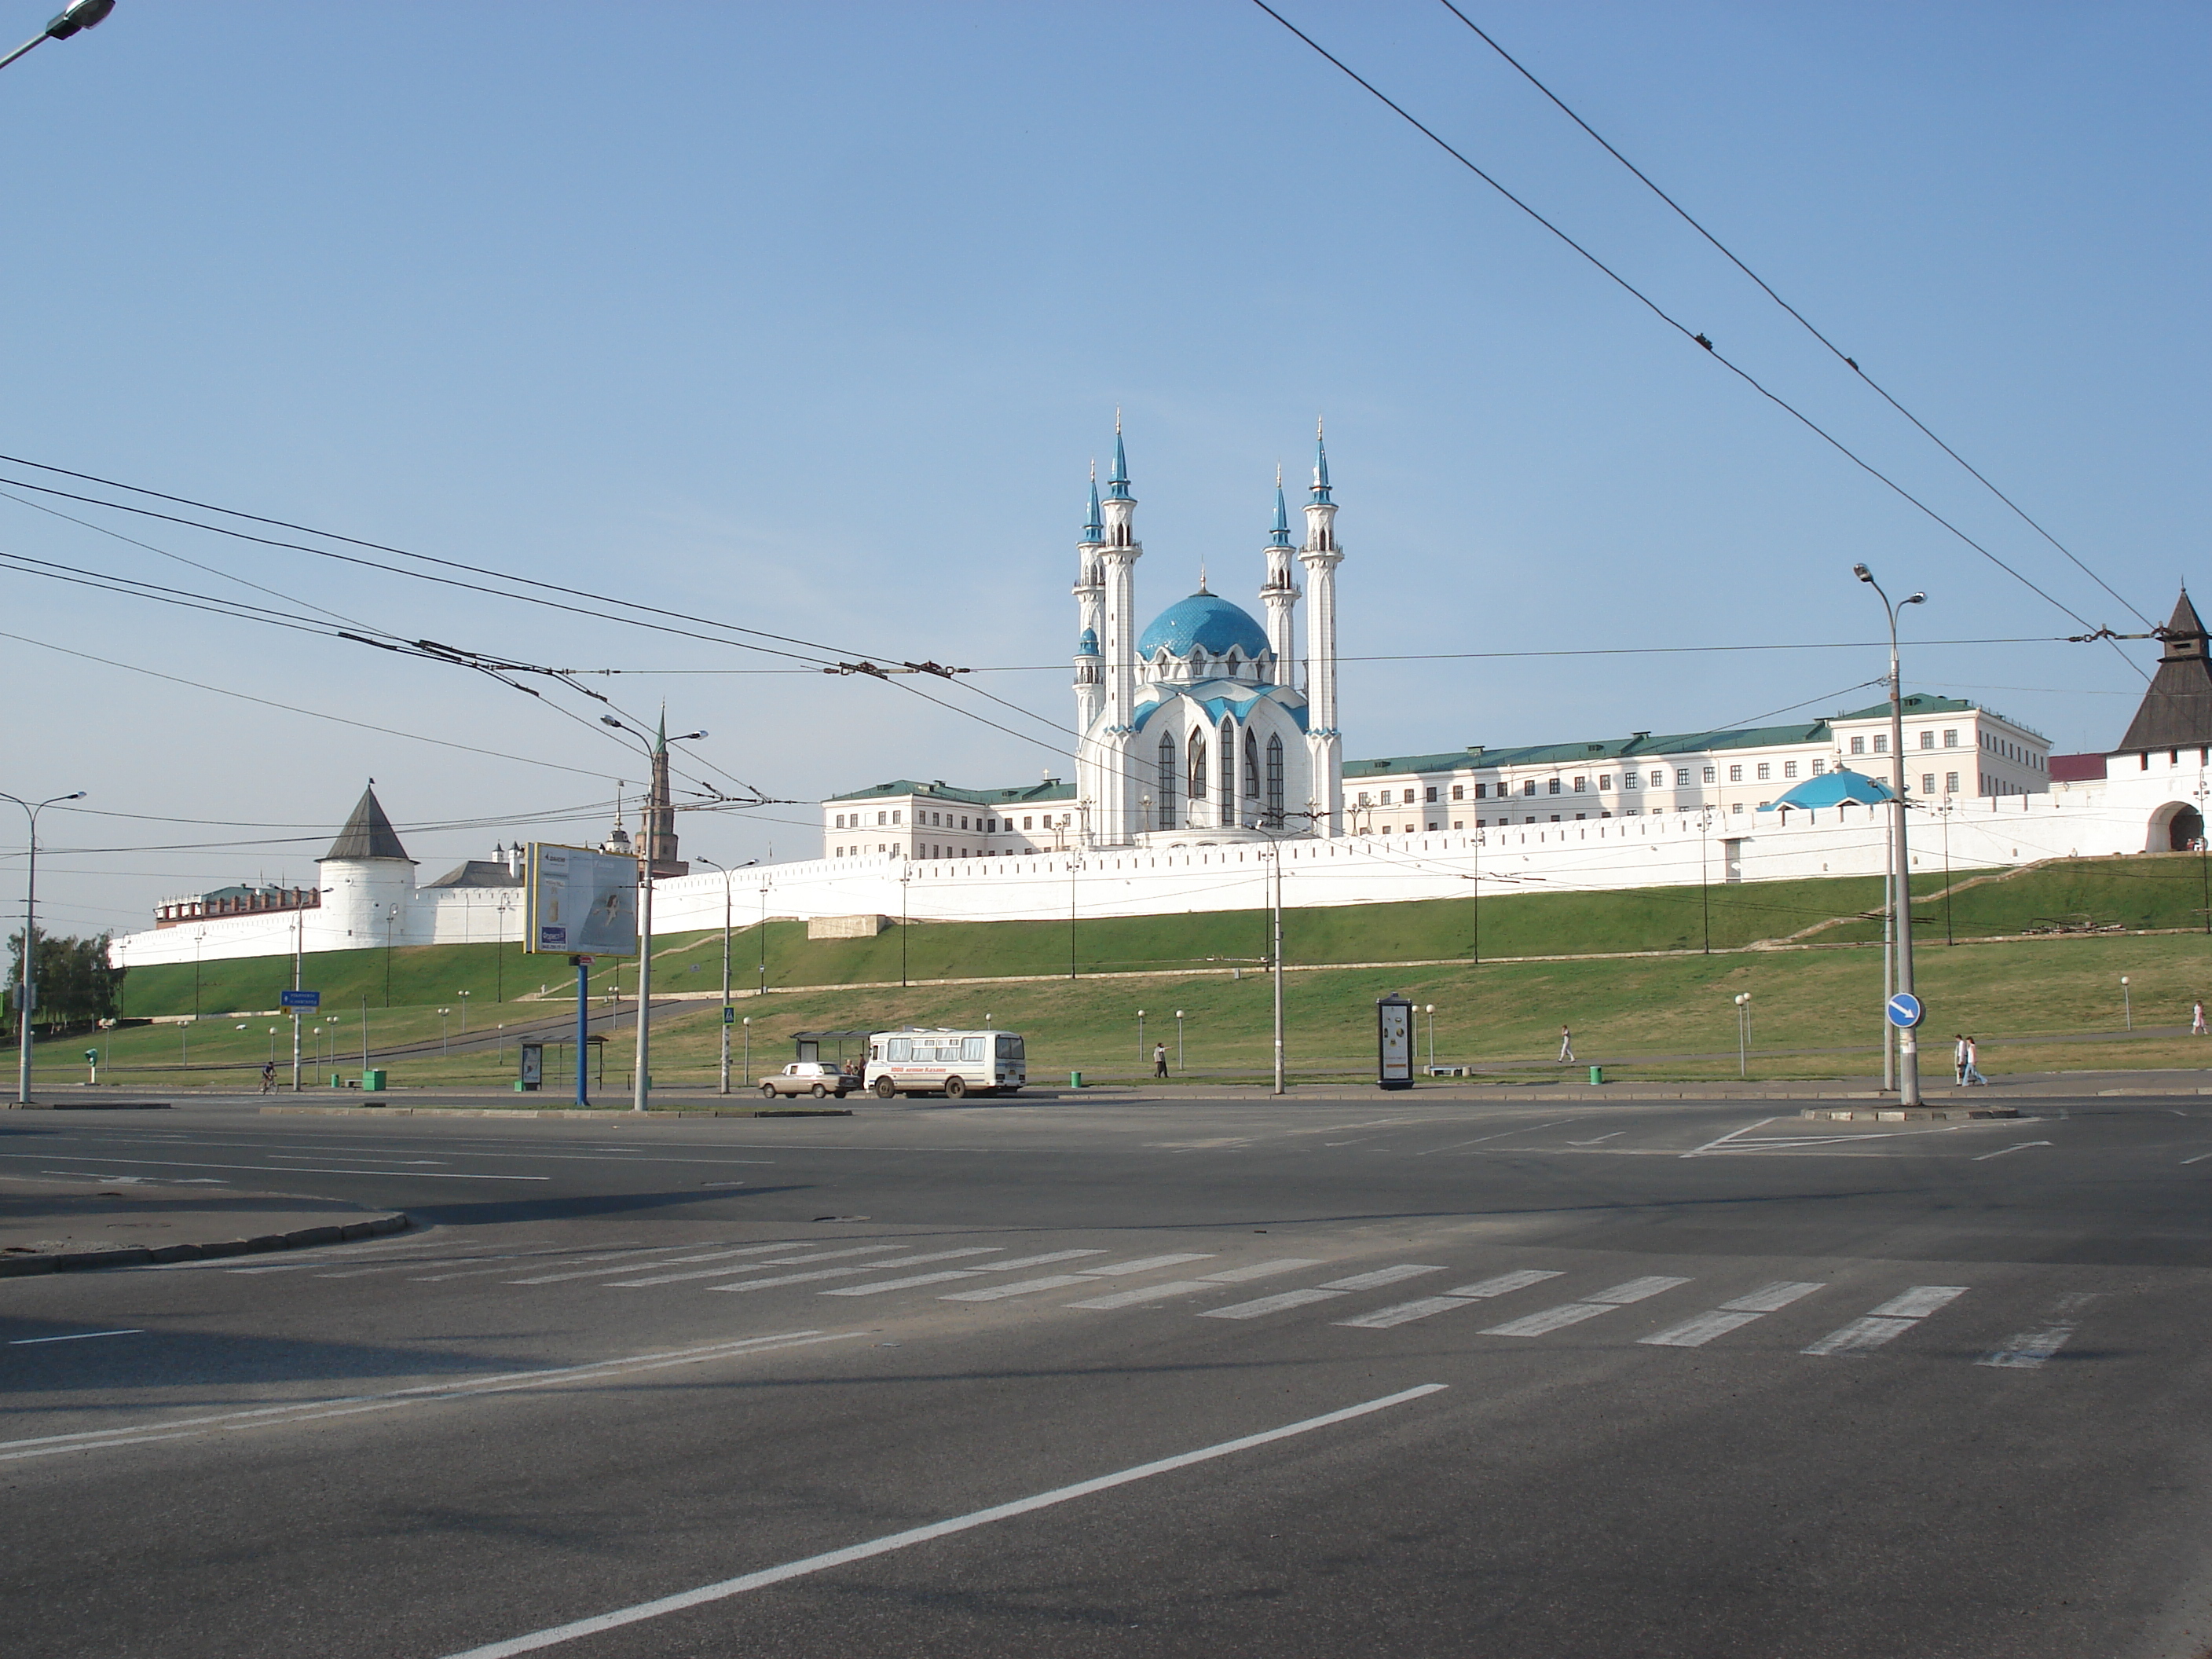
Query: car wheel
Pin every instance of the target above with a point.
(819, 1091)
(767, 1092)
(955, 1087)
(885, 1089)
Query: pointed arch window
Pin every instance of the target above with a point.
(1275, 782)
(1170, 782)
(1251, 773)
(1228, 771)
(1197, 770)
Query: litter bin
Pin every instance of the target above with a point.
(337, 1080)
(372, 1082)
(1075, 1080)
(1597, 1074)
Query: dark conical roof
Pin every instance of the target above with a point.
(368, 834)
(2176, 710)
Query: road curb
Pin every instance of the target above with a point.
(601, 1115)
(21, 1267)
(1910, 1114)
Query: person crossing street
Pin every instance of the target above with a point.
(1159, 1060)
(1566, 1047)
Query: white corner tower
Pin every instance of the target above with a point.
(1320, 556)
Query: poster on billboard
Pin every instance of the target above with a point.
(1394, 1035)
(578, 900)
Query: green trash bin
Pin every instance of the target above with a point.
(337, 1080)
(1597, 1074)
(1075, 1080)
(372, 1082)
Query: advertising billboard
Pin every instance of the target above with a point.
(577, 900)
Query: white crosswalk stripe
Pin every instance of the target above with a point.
(1731, 1315)
(1464, 1295)
(1573, 1313)
(2029, 1349)
(1061, 1281)
(669, 1262)
(1244, 1275)
(1887, 1323)
(815, 1276)
(771, 1261)
(1380, 1277)
(879, 1286)
(1267, 1304)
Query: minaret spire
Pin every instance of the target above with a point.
(1094, 527)
(1117, 483)
(1279, 592)
(1320, 556)
(1321, 463)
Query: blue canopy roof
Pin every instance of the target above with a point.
(1203, 619)
(1832, 789)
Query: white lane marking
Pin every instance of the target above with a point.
(629, 1255)
(772, 1261)
(2199, 1159)
(1264, 1269)
(669, 1262)
(1772, 1298)
(1019, 1287)
(1722, 1140)
(74, 1336)
(1148, 1264)
(1380, 1277)
(1919, 1301)
(1889, 1321)
(899, 1540)
(1503, 1284)
(296, 1169)
(1500, 1135)
(299, 1411)
(2029, 1349)
(2017, 1146)
(1696, 1333)
(1860, 1335)
(1573, 1313)
(1615, 1135)
(1150, 1293)
(1267, 1304)
(877, 1287)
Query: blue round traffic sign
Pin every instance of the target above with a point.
(1905, 1010)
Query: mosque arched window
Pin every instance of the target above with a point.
(1275, 782)
(1171, 781)
(1197, 770)
(1251, 766)
(1228, 771)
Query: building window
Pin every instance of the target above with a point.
(1363, 800)
(1275, 782)
(1681, 777)
(1552, 787)
(1251, 766)
(1819, 766)
(1629, 780)
(1858, 745)
(1482, 791)
(1950, 738)
(1735, 775)
(1928, 739)
(1430, 794)
(1581, 784)
(1196, 771)
(1605, 781)
(1170, 772)
(1027, 822)
(1432, 826)
(1882, 743)
(1950, 783)
(899, 815)
(1737, 807)
(1926, 783)
(1528, 788)
(1790, 768)
(1766, 771)
(1459, 792)
(883, 818)
(1555, 817)
(1228, 772)
(1708, 774)
(1409, 798)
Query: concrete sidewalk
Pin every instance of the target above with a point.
(57, 1224)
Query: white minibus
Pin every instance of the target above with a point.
(950, 1063)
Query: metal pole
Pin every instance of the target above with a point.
(763, 940)
(1276, 955)
(1948, 939)
(1908, 1040)
(583, 1029)
(903, 928)
(299, 920)
(364, 1034)
(1889, 958)
(1705, 874)
(640, 1085)
(29, 978)
(726, 981)
(1178, 1042)
(1070, 915)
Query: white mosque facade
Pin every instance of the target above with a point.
(1210, 769)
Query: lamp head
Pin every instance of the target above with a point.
(608, 720)
(1863, 573)
(78, 14)
(1917, 599)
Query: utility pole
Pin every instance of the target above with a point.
(1908, 1038)
(725, 1063)
(26, 982)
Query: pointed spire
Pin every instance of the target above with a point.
(1094, 527)
(367, 833)
(1117, 484)
(1321, 464)
(660, 732)
(1201, 578)
(1279, 533)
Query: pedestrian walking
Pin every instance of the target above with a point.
(1973, 1071)
(1958, 1063)
(2197, 1020)
(268, 1077)
(1159, 1060)
(1566, 1047)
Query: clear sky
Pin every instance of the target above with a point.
(810, 319)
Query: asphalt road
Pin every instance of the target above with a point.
(1426, 1377)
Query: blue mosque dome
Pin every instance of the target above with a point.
(1203, 619)
(1088, 645)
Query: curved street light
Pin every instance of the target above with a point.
(73, 19)
(639, 1086)
(27, 980)
(1908, 1040)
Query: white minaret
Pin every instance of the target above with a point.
(1113, 813)
(1090, 617)
(1279, 593)
(1320, 556)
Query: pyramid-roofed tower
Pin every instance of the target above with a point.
(2176, 709)
(368, 834)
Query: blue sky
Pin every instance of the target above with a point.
(811, 318)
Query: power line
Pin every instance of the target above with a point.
(1656, 310)
(1837, 351)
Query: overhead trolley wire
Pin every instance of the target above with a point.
(1840, 356)
(1688, 334)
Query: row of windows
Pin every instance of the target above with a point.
(1764, 771)
(937, 820)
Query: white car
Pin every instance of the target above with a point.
(806, 1077)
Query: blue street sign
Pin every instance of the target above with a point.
(729, 1015)
(300, 998)
(1905, 1010)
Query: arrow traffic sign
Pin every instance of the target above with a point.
(1905, 1010)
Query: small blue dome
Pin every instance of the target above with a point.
(1203, 619)
(1088, 645)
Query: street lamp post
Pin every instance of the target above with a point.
(74, 19)
(1430, 1008)
(1178, 1042)
(641, 1084)
(27, 980)
(1908, 1039)
(1743, 1034)
(1140, 1036)
(762, 990)
(727, 874)
(442, 1012)
(2127, 1003)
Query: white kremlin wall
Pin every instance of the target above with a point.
(2128, 813)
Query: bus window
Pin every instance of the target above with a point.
(971, 1047)
(901, 1048)
(1010, 1048)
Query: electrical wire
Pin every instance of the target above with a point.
(1850, 362)
(1687, 334)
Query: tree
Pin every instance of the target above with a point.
(74, 983)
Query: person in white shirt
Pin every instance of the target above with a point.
(1566, 1047)
(1958, 1063)
(1974, 1072)
(2197, 1027)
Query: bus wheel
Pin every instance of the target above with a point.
(885, 1089)
(955, 1087)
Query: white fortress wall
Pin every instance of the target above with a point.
(2124, 814)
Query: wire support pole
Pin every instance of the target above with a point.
(1908, 1039)
(27, 979)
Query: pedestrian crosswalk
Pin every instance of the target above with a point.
(1695, 1307)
